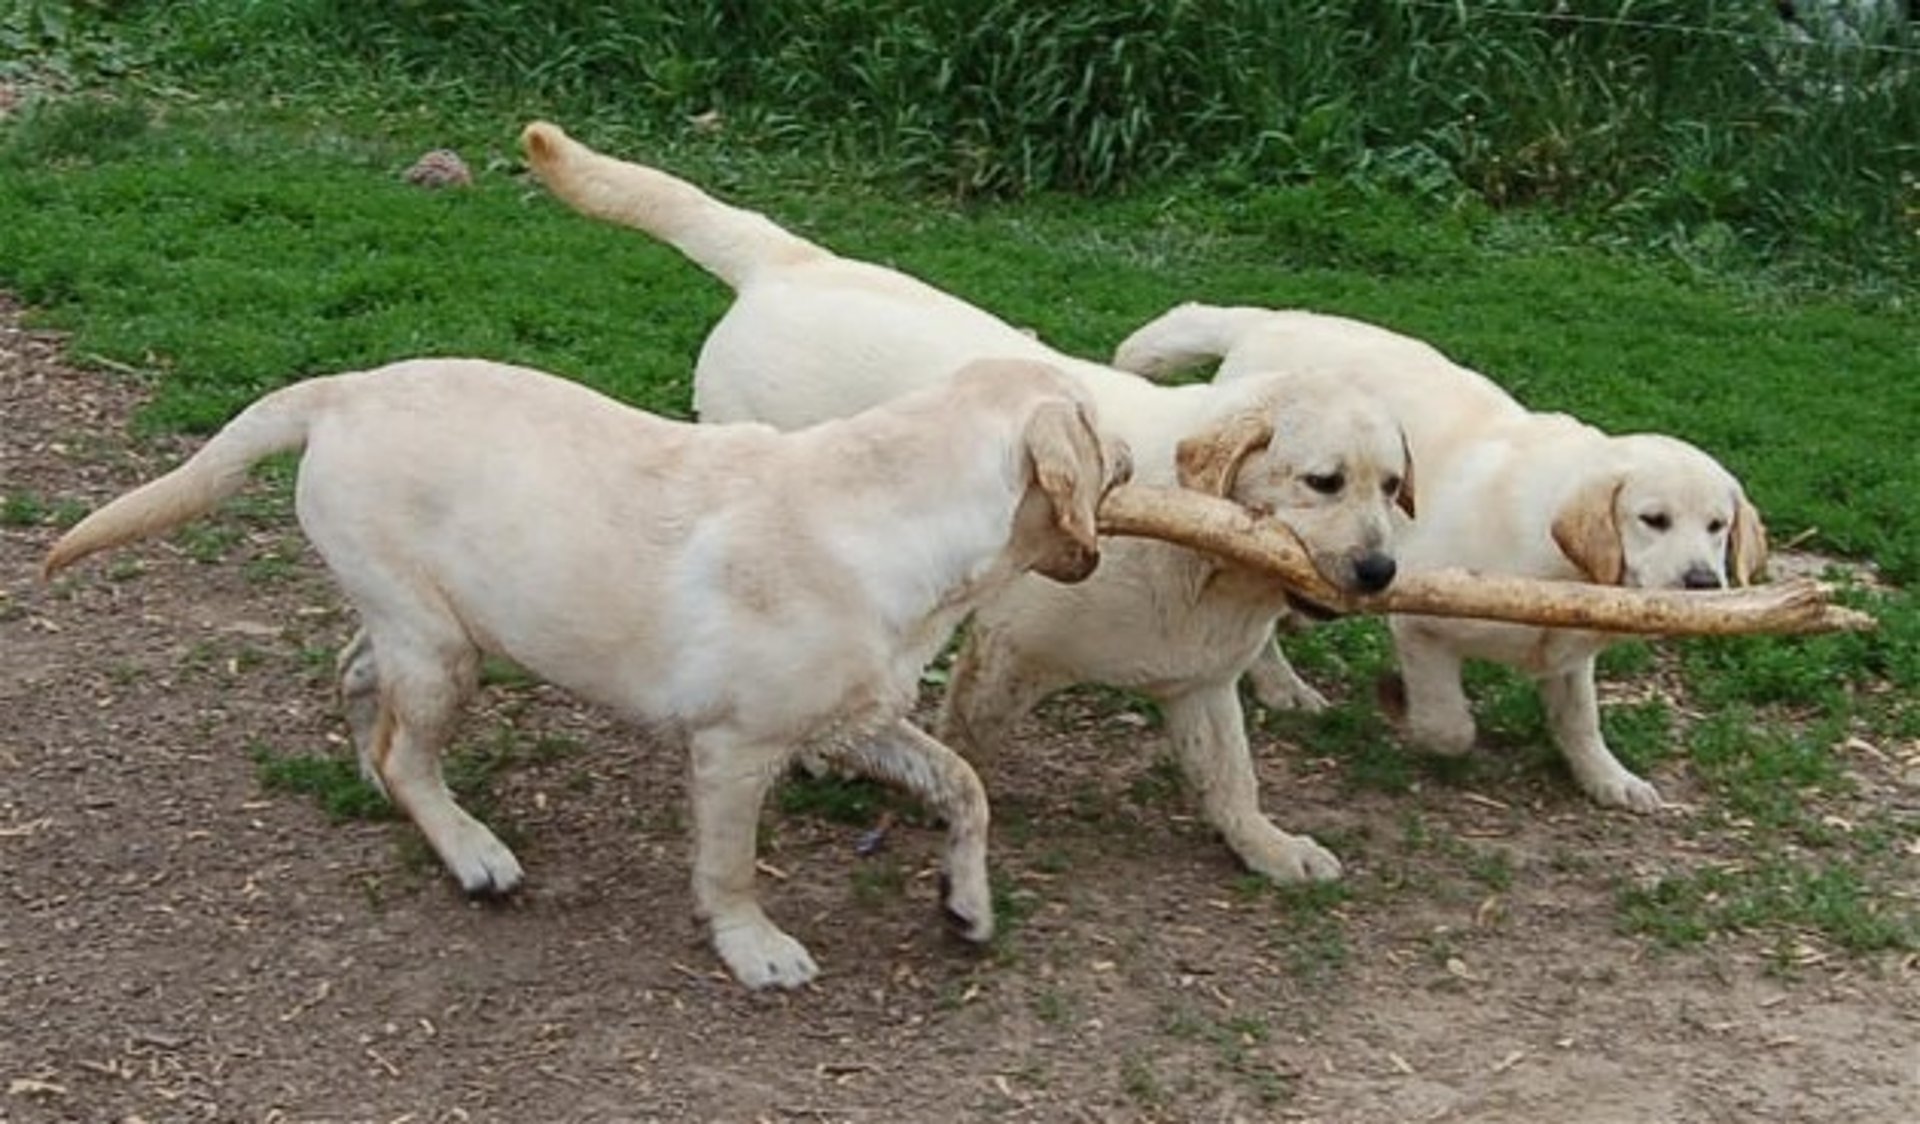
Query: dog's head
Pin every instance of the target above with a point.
(1661, 514)
(1325, 459)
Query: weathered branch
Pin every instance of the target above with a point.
(1229, 531)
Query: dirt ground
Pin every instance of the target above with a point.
(178, 942)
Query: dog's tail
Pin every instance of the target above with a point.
(1185, 337)
(274, 424)
(726, 241)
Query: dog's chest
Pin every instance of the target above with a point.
(1204, 629)
(1534, 651)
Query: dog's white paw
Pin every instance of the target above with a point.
(1622, 789)
(759, 955)
(482, 864)
(1294, 695)
(1453, 737)
(1293, 858)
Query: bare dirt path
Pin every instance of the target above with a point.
(179, 942)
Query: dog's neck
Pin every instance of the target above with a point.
(943, 510)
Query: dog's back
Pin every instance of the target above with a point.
(812, 335)
(1441, 404)
(832, 337)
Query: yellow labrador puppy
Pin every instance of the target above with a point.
(1503, 490)
(841, 335)
(762, 591)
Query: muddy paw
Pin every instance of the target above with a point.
(969, 915)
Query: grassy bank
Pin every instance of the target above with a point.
(1671, 121)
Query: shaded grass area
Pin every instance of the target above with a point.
(1704, 125)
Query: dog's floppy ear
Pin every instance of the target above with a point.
(1064, 458)
(1208, 461)
(1746, 543)
(1587, 531)
(1405, 498)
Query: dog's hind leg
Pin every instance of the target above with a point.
(992, 688)
(421, 686)
(1277, 686)
(360, 701)
(942, 778)
(731, 777)
(1209, 735)
(1438, 717)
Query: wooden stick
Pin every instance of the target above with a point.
(1223, 528)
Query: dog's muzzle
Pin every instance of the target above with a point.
(1311, 609)
(1701, 577)
(1374, 572)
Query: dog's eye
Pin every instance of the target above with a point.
(1715, 526)
(1391, 487)
(1326, 483)
(1657, 521)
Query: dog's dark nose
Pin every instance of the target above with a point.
(1374, 572)
(1700, 577)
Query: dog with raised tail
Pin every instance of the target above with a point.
(1504, 490)
(812, 335)
(761, 592)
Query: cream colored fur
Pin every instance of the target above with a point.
(764, 592)
(841, 335)
(1502, 490)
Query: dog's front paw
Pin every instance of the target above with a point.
(1622, 789)
(1277, 686)
(484, 866)
(1292, 858)
(1444, 735)
(760, 955)
(1292, 693)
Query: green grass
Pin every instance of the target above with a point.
(1687, 909)
(849, 801)
(1140, 1082)
(878, 881)
(1700, 125)
(226, 253)
(1312, 934)
(334, 783)
(1161, 784)
(1232, 1042)
(473, 770)
(30, 509)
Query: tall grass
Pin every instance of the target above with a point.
(1654, 118)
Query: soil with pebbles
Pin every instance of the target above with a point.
(179, 942)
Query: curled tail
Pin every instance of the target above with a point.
(724, 240)
(274, 424)
(1185, 337)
